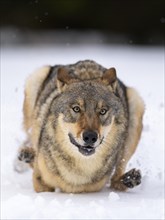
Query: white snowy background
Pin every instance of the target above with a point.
(140, 67)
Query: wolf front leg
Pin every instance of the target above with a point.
(38, 183)
(120, 180)
(128, 180)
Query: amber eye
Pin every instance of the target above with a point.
(76, 109)
(103, 111)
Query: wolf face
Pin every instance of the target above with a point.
(86, 111)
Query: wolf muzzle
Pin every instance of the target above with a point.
(87, 149)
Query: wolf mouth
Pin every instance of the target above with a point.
(86, 150)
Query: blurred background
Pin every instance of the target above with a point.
(137, 22)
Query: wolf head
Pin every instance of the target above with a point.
(87, 109)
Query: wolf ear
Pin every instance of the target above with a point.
(109, 78)
(63, 78)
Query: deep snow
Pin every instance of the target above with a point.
(142, 68)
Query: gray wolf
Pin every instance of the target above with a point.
(83, 125)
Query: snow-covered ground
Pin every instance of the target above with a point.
(140, 67)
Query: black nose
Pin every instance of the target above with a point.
(90, 137)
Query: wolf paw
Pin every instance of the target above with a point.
(26, 155)
(131, 178)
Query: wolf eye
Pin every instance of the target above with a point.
(76, 109)
(103, 111)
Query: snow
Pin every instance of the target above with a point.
(139, 67)
(113, 196)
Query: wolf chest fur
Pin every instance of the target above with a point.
(83, 125)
